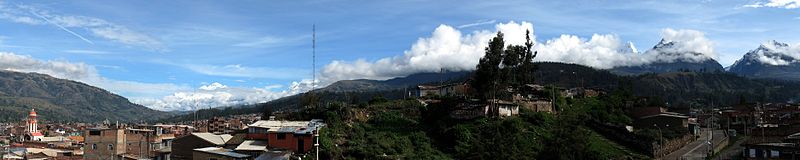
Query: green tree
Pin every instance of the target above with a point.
(310, 99)
(512, 59)
(488, 69)
(503, 67)
(527, 67)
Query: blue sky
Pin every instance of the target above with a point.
(177, 55)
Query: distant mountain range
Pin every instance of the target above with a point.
(65, 101)
(677, 88)
(350, 91)
(680, 77)
(670, 59)
(361, 85)
(680, 89)
(771, 60)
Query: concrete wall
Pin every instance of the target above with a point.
(183, 147)
(660, 150)
(505, 111)
(291, 142)
(107, 137)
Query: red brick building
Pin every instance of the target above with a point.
(297, 136)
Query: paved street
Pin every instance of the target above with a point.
(697, 149)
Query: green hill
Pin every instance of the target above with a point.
(64, 101)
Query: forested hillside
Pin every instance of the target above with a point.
(65, 101)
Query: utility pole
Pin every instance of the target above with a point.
(316, 134)
(405, 92)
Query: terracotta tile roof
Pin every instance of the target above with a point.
(76, 138)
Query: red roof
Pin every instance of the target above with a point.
(36, 134)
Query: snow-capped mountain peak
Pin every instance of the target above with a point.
(629, 48)
(772, 59)
(770, 53)
(664, 44)
(772, 45)
(672, 51)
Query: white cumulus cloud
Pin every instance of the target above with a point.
(600, 51)
(447, 48)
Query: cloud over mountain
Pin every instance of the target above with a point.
(219, 95)
(774, 53)
(212, 95)
(600, 51)
(688, 45)
(449, 49)
(159, 96)
(83, 73)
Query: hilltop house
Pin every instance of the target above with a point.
(452, 89)
(475, 108)
(534, 104)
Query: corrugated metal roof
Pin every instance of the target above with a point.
(665, 115)
(222, 151)
(251, 145)
(297, 127)
(213, 138)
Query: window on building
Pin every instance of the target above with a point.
(94, 146)
(258, 130)
(281, 135)
(774, 154)
(110, 147)
(94, 133)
